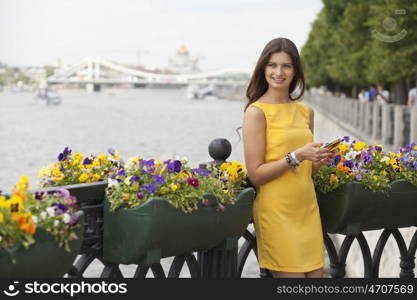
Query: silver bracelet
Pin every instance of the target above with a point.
(295, 158)
(291, 160)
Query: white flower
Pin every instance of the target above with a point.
(51, 211)
(35, 219)
(352, 154)
(66, 218)
(113, 183)
(56, 223)
(43, 215)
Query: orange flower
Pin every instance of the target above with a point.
(125, 196)
(18, 218)
(333, 178)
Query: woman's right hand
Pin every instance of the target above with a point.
(313, 152)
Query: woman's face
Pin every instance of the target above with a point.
(279, 71)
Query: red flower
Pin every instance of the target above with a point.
(193, 182)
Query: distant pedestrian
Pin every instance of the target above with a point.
(412, 97)
(382, 96)
(363, 96)
(371, 93)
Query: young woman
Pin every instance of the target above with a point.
(281, 157)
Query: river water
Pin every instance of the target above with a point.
(146, 122)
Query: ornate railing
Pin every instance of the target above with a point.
(230, 261)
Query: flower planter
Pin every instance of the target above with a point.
(155, 230)
(85, 192)
(353, 208)
(43, 259)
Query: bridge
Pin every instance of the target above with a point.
(99, 71)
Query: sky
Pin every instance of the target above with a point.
(221, 33)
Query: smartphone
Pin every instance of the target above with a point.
(333, 144)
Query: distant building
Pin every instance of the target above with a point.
(183, 62)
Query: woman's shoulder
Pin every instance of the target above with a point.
(306, 109)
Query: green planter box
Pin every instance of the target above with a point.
(155, 230)
(353, 208)
(43, 259)
(91, 193)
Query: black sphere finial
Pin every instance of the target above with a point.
(220, 149)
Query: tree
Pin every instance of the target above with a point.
(356, 43)
(393, 55)
(316, 53)
(349, 59)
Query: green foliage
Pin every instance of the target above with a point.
(357, 43)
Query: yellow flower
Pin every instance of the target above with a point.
(1, 217)
(163, 190)
(358, 146)
(162, 170)
(157, 163)
(173, 187)
(96, 163)
(383, 172)
(23, 184)
(78, 156)
(57, 172)
(96, 177)
(415, 147)
(16, 203)
(103, 159)
(44, 172)
(4, 204)
(135, 186)
(83, 177)
(343, 148)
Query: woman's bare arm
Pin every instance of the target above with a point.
(254, 140)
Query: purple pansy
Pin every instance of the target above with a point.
(60, 208)
(174, 166)
(348, 164)
(63, 156)
(73, 220)
(133, 179)
(87, 161)
(148, 187)
(64, 193)
(158, 179)
(38, 195)
(337, 159)
(111, 151)
(201, 172)
(367, 158)
(378, 148)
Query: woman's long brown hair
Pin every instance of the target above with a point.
(258, 84)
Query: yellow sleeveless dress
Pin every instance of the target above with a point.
(285, 213)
